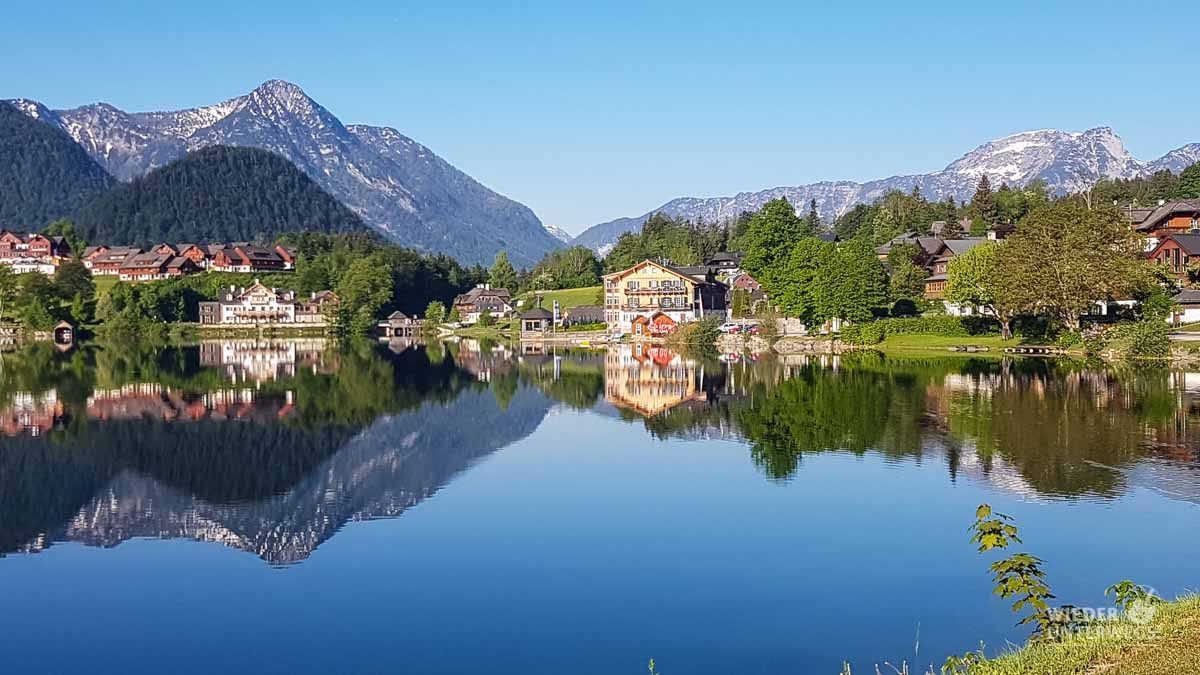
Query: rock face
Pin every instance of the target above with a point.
(1067, 161)
(395, 184)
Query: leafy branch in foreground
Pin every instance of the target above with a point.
(1018, 576)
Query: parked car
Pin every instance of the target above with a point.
(730, 327)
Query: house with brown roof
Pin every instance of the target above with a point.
(939, 265)
(1177, 217)
(317, 308)
(107, 260)
(249, 258)
(153, 265)
(1174, 252)
(32, 252)
(483, 298)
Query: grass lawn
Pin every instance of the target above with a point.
(567, 298)
(104, 284)
(1168, 645)
(994, 343)
(501, 330)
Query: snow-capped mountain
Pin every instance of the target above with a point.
(560, 234)
(394, 183)
(1067, 161)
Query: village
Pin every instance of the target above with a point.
(649, 300)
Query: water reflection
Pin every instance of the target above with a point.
(272, 446)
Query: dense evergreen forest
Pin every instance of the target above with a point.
(215, 194)
(44, 174)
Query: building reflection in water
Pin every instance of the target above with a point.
(263, 360)
(649, 379)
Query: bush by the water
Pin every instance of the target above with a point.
(697, 335)
(1147, 338)
(874, 332)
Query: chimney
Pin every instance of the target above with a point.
(1161, 202)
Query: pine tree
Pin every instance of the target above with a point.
(814, 218)
(1188, 186)
(984, 201)
(953, 229)
(502, 274)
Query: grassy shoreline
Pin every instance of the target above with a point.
(1169, 644)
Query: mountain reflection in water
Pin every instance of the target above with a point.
(272, 446)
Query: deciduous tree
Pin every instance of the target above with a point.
(1064, 258)
(769, 240)
(853, 283)
(976, 278)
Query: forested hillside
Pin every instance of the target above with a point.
(215, 194)
(44, 174)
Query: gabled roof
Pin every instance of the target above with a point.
(1188, 243)
(1168, 210)
(139, 260)
(475, 294)
(537, 313)
(696, 274)
(961, 246)
(1188, 296)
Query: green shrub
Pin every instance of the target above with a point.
(904, 307)
(1068, 340)
(1147, 338)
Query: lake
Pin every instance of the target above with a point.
(297, 506)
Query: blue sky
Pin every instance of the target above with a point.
(591, 112)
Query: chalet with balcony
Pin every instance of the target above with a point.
(399, 324)
(939, 265)
(317, 308)
(651, 288)
(1178, 217)
(483, 298)
(256, 304)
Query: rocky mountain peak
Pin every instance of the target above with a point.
(395, 184)
(283, 96)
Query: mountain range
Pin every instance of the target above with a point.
(1067, 161)
(395, 184)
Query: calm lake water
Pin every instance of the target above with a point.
(280, 507)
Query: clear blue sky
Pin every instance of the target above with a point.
(587, 113)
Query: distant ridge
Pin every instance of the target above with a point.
(1067, 161)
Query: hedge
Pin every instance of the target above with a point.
(874, 332)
